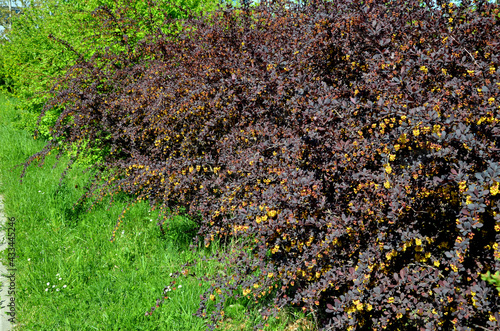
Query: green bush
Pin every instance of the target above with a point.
(493, 279)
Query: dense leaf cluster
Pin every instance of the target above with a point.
(351, 145)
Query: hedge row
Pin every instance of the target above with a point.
(352, 146)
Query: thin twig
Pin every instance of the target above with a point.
(466, 51)
(481, 327)
(335, 109)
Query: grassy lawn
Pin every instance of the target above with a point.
(71, 277)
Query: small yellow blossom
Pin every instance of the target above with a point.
(271, 213)
(494, 189)
(424, 69)
(462, 186)
(359, 305)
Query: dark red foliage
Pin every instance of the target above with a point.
(353, 145)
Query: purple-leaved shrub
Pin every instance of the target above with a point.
(352, 146)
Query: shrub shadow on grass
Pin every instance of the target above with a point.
(180, 231)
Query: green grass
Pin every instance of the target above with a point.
(71, 277)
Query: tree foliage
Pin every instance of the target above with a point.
(351, 145)
(32, 56)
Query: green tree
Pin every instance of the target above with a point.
(32, 54)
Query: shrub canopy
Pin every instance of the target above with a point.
(351, 145)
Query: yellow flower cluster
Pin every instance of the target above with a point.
(494, 188)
